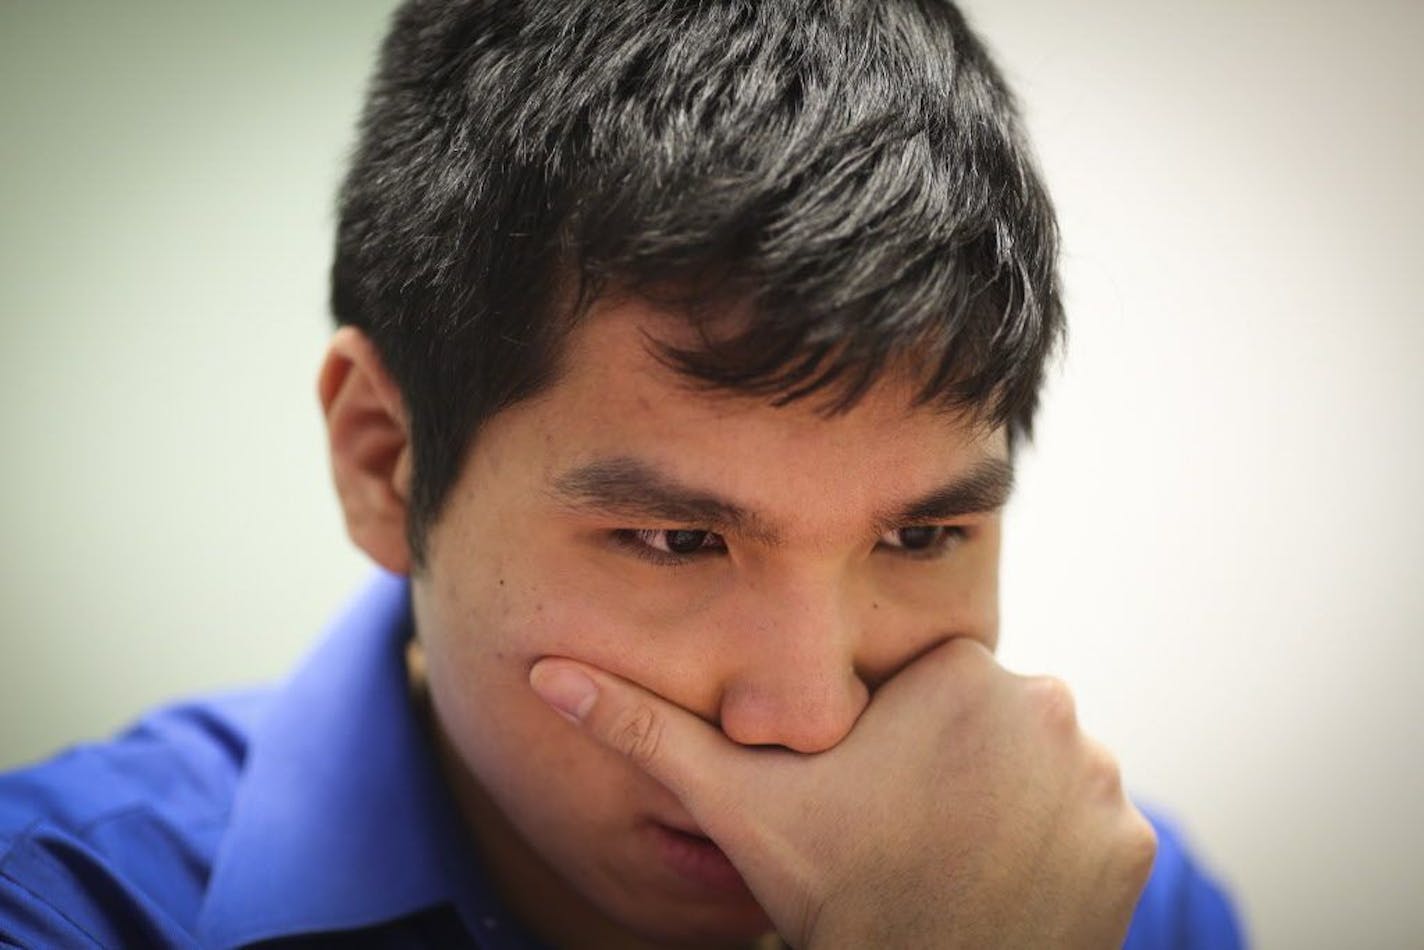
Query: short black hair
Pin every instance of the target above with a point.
(852, 173)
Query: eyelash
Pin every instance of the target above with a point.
(630, 539)
(952, 536)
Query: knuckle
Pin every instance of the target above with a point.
(1055, 702)
(976, 663)
(967, 649)
(1140, 847)
(639, 735)
(1105, 773)
(970, 664)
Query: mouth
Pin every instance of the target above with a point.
(696, 859)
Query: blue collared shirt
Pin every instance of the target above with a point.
(317, 808)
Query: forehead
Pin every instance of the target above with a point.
(615, 398)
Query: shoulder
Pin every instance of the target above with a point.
(1183, 906)
(112, 841)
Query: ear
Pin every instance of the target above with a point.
(368, 434)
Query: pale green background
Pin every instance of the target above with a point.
(1216, 542)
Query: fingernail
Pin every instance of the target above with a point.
(564, 688)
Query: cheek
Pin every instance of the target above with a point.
(976, 590)
(480, 641)
(909, 611)
(498, 618)
(590, 606)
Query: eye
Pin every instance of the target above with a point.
(669, 545)
(923, 541)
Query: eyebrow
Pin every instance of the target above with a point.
(631, 488)
(985, 487)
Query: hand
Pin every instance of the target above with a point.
(964, 809)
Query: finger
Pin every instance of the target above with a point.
(965, 660)
(693, 759)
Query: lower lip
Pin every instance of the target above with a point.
(698, 860)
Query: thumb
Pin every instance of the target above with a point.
(692, 758)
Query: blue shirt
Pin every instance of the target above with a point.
(317, 808)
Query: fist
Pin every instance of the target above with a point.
(965, 808)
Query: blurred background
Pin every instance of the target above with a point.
(1216, 539)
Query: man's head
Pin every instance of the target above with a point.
(850, 175)
(690, 340)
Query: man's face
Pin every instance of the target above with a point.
(765, 568)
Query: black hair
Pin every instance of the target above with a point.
(851, 173)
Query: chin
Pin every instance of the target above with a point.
(699, 926)
(673, 910)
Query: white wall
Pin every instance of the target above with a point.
(1218, 536)
(1215, 539)
(166, 182)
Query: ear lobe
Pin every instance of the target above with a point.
(368, 436)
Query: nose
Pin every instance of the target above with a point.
(793, 679)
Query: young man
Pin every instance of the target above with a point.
(684, 350)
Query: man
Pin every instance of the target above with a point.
(683, 353)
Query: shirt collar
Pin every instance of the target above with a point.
(341, 820)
